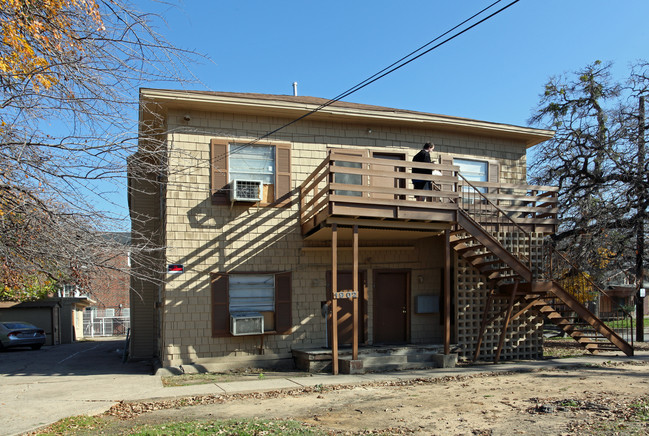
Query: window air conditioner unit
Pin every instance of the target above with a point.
(246, 190)
(248, 323)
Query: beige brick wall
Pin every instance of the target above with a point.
(207, 238)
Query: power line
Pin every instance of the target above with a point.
(405, 60)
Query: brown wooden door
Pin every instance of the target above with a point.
(346, 309)
(391, 307)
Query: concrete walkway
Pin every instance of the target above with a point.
(37, 389)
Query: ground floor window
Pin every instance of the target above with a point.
(267, 294)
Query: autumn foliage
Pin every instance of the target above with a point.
(36, 34)
(69, 77)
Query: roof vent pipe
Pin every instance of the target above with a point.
(295, 89)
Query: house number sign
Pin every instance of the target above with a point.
(346, 294)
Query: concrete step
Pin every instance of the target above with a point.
(372, 361)
(378, 358)
(382, 362)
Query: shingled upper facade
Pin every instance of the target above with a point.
(264, 226)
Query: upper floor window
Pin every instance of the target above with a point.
(67, 291)
(473, 170)
(269, 163)
(252, 162)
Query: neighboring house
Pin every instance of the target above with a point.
(110, 313)
(621, 291)
(45, 314)
(73, 312)
(60, 317)
(254, 228)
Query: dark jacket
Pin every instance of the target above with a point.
(422, 156)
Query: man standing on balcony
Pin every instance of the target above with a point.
(423, 156)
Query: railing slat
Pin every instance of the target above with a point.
(388, 182)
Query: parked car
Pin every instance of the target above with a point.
(21, 334)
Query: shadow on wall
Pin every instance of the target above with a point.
(250, 246)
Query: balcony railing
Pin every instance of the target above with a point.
(349, 185)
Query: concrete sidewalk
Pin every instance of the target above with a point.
(31, 401)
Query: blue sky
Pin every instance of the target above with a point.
(494, 72)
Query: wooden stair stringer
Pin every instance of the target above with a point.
(478, 233)
(585, 314)
(597, 324)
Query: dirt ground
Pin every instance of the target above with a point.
(584, 400)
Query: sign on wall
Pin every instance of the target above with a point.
(346, 294)
(175, 268)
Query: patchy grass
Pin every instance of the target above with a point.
(85, 425)
(628, 420)
(641, 410)
(559, 348)
(229, 376)
(76, 425)
(235, 427)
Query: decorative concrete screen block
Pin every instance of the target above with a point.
(523, 339)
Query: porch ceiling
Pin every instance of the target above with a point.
(372, 234)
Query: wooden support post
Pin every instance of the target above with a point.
(447, 292)
(334, 301)
(357, 293)
(510, 307)
(483, 324)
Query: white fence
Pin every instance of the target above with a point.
(105, 322)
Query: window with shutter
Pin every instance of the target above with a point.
(268, 163)
(268, 294)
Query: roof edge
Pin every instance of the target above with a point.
(300, 105)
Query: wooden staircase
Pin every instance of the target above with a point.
(508, 275)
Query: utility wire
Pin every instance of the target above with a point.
(390, 69)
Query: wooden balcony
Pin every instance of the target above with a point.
(374, 192)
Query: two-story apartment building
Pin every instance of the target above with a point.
(259, 218)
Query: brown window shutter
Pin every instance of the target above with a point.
(493, 176)
(283, 173)
(220, 307)
(494, 172)
(283, 318)
(219, 172)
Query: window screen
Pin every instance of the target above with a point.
(473, 171)
(252, 162)
(252, 293)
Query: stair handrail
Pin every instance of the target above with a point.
(501, 213)
(576, 268)
(552, 250)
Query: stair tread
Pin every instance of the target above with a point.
(493, 270)
(463, 248)
(453, 239)
(498, 276)
(480, 265)
(546, 296)
(477, 255)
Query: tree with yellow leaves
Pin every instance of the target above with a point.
(69, 77)
(37, 34)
